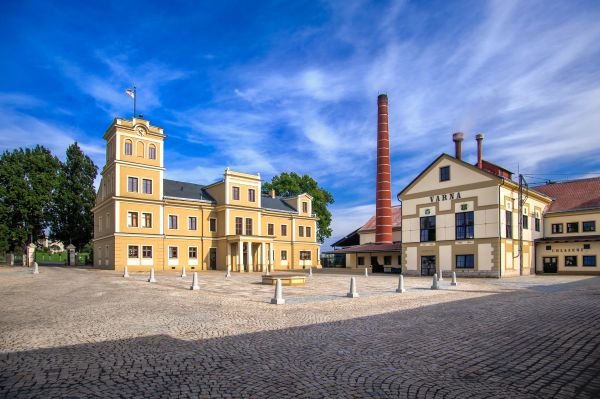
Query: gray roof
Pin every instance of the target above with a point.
(179, 189)
(276, 203)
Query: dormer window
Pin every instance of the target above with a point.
(305, 207)
(445, 173)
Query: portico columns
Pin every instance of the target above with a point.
(263, 248)
(228, 256)
(250, 263)
(240, 257)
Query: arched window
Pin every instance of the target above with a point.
(128, 147)
(140, 149)
(152, 151)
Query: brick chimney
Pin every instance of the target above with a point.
(383, 211)
(479, 139)
(458, 137)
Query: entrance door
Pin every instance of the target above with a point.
(375, 266)
(551, 264)
(212, 258)
(427, 265)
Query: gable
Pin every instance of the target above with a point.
(461, 174)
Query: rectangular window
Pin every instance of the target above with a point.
(305, 207)
(570, 260)
(147, 251)
(212, 225)
(147, 186)
(236, 193)
(193, 252)
(589, 226)
(128, 148)
(387, 260)
(173, 222)
(308, 231)
(557, 228)
(586, 246)
(360, 261)
(445, 173)
(283, 255)
(238, 226)
(399, 260)
(173, 252)
(573, 227)
(132, 184)
(427, 228)
(465, 261)
(509, 229)
(147, 220)
(251, 195)
(525, 219)
(284, 230)
(305, 255)
(132, 219)
(248, 227)
(589, 260)
(192, 223)
(464, 225)
(300, 231)
(270, 229)
(152, 152)
(133, 251)
(537, 224)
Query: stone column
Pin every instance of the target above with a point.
(250, 263)
(240, 256)
(263, 248)
(71, 255)
(228, 260)
(30, 254)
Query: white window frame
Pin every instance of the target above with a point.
(176, 222)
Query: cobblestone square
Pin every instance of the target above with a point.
(89, 333)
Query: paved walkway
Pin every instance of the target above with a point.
(87, 333)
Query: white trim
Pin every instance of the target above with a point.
(161, 176)
(195, 217)
(118, 180)
(259, 224)
(138, 184)
(245, 182)
(225, 180)
(137, 218)
(293, 229)
(151, 183)
(139, 166)
(133, 261)
(226, 221)
(192, 261)
(137, 136)
(172, 261)
(142, 224)
(117, 146)
(187, 199)
(169, 221)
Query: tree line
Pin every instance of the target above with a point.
(40, 194)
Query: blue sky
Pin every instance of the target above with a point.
(279, 86)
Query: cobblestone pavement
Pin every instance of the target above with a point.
(88, 333)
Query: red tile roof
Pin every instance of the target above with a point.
(396, 220)
(572, 195)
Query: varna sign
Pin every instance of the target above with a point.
(445, 197)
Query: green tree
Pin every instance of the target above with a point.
(73, 221)
(291, 184)
(28, 181)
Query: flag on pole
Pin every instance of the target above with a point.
(130, 93)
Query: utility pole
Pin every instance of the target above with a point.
(523, 195)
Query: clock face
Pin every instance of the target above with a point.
(140, 130)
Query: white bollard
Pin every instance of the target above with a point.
(453, 279)
(278, 299)
(267, 270)
(195, 285)
(310, 272)
(35, 268)
(228, 274)
(126, 272)
(152, 279)
(366, 272)
(183, 272)
(353, 292)
(440, 277)
(400, 288)
(434, 286)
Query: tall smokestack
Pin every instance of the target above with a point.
(479, 139)
(458, 137)
(383, 211)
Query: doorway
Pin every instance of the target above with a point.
(427, 265)
(212, 258)
(551, 264)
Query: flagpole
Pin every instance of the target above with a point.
(134, 99)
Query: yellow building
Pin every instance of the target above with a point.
(143, 220)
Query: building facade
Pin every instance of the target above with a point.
(145, 221)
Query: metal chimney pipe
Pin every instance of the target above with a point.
(479, 139)
(458, 137)
(383, 211)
